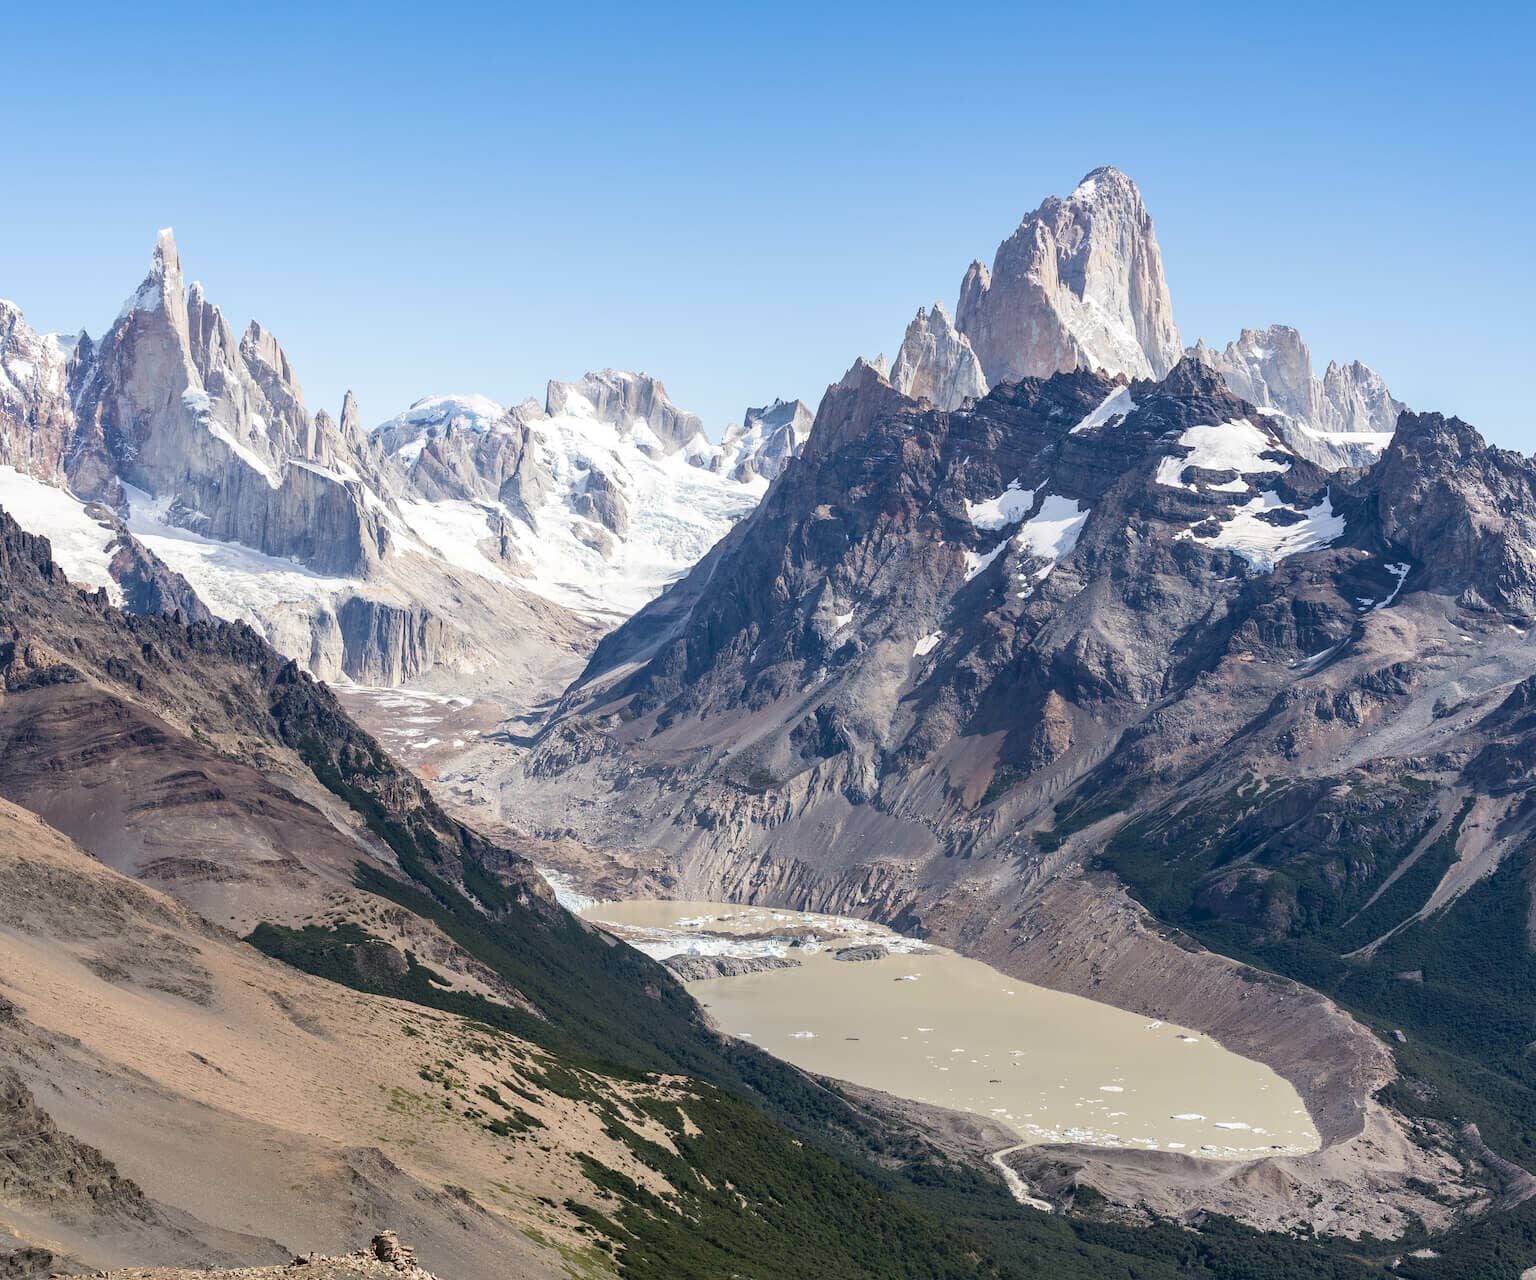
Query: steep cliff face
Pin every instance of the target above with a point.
(1078, 285)
(597, 501)
(969, 606)
(219, 429)
(360, 561)
(765, 441)
(36, 417)
(635, 403)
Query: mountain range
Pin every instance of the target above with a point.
(1177, 677)
(460, 541)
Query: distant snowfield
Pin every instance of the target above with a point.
(79, 542)
(676, 512)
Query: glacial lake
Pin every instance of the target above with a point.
(927, 1024)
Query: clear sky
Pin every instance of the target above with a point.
(741, 199)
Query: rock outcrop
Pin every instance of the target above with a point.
(36, 417)
(702, 968)
(385, 1258)
(632, 402)
(1080, 285)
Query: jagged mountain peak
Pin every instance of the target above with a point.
(161, 288)
(936, 362)
(1105, 184)
(863, 370)
(1079, 283)
(628, 401)
(1344, 418)
(351, 418)
(768, 437)
(260, 346)
(164, 258)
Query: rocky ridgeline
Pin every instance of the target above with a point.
(384, 1257)
(545, 522)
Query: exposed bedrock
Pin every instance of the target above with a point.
(385, 644)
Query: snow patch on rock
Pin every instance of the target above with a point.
(1264, 531)
(1237, 445)
(80, 543)
(1009, 507)
(1049, 535)
(1117, 403)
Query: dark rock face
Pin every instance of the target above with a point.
(988, 675)
(150, 587)
(26, 1264)
(972, 633)
(387, 644)
(41, 1165)
(1466, 512)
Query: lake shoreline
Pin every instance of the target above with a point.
(927, 1025)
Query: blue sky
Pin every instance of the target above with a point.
(477, 198)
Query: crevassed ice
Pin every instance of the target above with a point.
(677, 511)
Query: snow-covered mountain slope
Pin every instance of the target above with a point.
(584, 502)
(767, 438)
(82, 544)
(463, 543)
